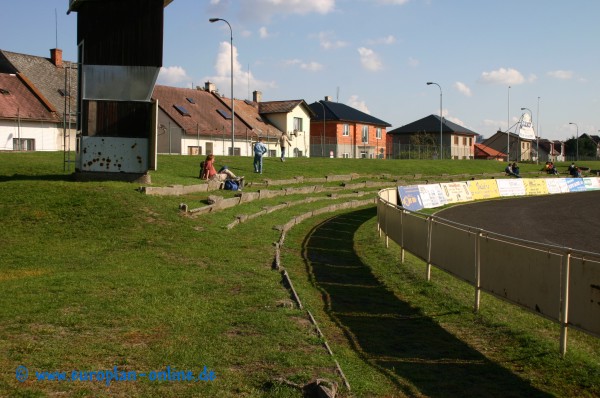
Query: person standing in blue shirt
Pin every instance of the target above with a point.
(259, 150)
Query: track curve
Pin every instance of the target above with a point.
(570, 220)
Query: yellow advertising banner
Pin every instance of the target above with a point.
(535, 186)
(483, 189)
(456, 192)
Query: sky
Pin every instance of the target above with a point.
(489, 58)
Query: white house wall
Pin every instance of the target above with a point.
(47, 136)
(285, 122)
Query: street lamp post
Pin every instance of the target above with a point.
(441, 123)
(212, 20)
(531, 119)
(508, 127)
(323, 140)
(537, 136)
(577, 143)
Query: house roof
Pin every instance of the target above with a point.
(550, 147)
(343, 113)
(489, 152)
(595, 139)
(19, 101)
(283, 107)
(199, 111)
(431, 124)
(46, 77)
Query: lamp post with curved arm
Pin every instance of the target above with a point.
(441, 123)
(232, 101)
(577, 143)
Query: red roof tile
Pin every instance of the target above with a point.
(17, 100)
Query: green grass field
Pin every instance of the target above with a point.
(96, 275)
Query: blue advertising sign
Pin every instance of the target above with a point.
(410, 197)
(575, 184)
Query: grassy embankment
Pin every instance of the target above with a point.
(95, 275)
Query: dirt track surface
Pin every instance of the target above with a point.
(570, 220)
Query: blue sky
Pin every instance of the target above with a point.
(374, 55)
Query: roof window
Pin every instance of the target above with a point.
(182, 110)
(225, 114)
(4, 91)
(190, 100)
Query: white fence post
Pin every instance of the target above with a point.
(477, 270)
(564, 316)
(429, 227)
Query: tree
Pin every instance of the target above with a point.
(587, 147)
(422, 138)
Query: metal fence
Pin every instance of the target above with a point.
(560, 284)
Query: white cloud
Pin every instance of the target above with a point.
(263, 33)
(265, 10)
(502, 76)
(369, 59)
(291, 62)
(246, 33)
(172, 75)
(393, 2)
(561, 74)
(311, 66)
(242, 79)
(354, 102)
(413, 62)
(463, 88)
(328, 42)
(389, 39)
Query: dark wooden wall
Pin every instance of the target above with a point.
(121, 32)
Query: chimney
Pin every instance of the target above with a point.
(210, 87)
(256, 96)
(56, 57)
(327, 98)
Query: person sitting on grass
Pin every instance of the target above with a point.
(550, 168)
(574, 171)
(512, 170)
(223, 174)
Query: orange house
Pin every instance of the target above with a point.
(341, 131)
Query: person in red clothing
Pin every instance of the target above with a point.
(210, 173)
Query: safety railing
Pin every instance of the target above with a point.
(558, 283)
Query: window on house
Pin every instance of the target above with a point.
(365, 134)
(63, 92)
(378, 133)
(190, 100)
(363, 155)
(345, 155)
(225, 114)
(4, 91)
(236, 151)
(181, 110)
(346, 130)
(465, 141)
(298, 124)
(23, 144)
(194, 150)
(455, 140)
